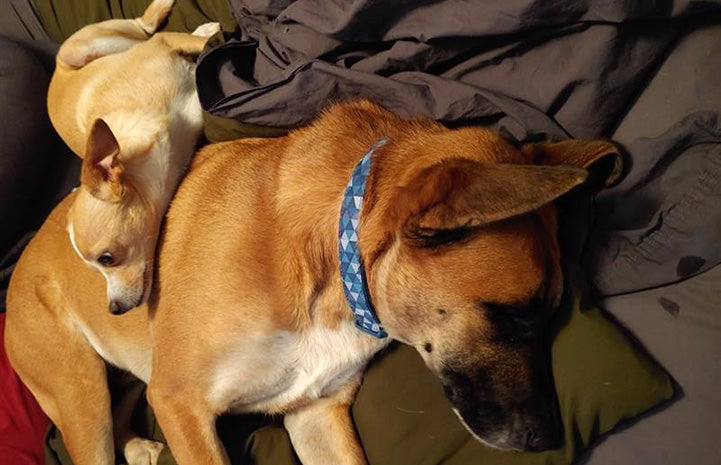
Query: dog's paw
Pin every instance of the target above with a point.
(207, 29)
(139, 451)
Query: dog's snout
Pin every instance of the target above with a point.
(122, 299)
(529, 438)
(542, 428)
(537, 440)
(117, 308)
(450, 392)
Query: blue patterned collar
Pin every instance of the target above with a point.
(355, 285)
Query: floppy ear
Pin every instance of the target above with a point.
(458, 194)
(101, 171)
(600, 157)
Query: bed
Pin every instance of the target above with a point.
(636, 356)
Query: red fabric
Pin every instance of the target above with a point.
(22, 423)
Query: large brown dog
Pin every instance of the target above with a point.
(248, 314)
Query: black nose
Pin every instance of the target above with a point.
(116, 308)
(450, 392)
(538, 440)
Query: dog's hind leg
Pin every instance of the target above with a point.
(137, 450)
(113, 36)
(154, 15)
(323, 432)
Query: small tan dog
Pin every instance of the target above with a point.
(124, 100)
(457, 235)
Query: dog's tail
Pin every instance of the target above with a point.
(112, 36)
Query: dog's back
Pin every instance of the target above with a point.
(136, 88)
(121, 70)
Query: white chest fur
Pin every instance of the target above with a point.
(272, 373)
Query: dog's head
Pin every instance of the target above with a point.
(112, 227)
(469, 273)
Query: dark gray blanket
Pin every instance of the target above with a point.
(535, 69)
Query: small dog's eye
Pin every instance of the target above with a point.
(106, 259)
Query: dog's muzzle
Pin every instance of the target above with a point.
(116, 307)
(532, 424)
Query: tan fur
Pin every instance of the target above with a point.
(248, 312)
(123, 98)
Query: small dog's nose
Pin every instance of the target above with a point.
(116, 308)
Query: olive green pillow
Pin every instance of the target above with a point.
(600, 376)
(403, 418)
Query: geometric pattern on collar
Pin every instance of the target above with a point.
(352, 273)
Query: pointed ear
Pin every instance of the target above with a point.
(101, 171)
(459, 194)
(600, 157)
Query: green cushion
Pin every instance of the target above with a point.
(600, 376)
(403, 418)
(219, 129)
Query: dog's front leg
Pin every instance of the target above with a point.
(188, 426)
(323, 432)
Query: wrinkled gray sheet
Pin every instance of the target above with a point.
(664, 220)
(536, 69)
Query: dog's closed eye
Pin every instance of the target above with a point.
(513, 324)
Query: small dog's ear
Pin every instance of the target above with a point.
(459, 194)
(600, 157)
(102, 172)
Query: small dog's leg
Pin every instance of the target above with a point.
(113, 36)
(188, 426)
(323, 432)
(137, 450)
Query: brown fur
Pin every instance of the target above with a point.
(248, 296)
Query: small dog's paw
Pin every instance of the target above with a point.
(139, 451)
(207, 29)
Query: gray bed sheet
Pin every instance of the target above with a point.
(663, 222)
(680, 325)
